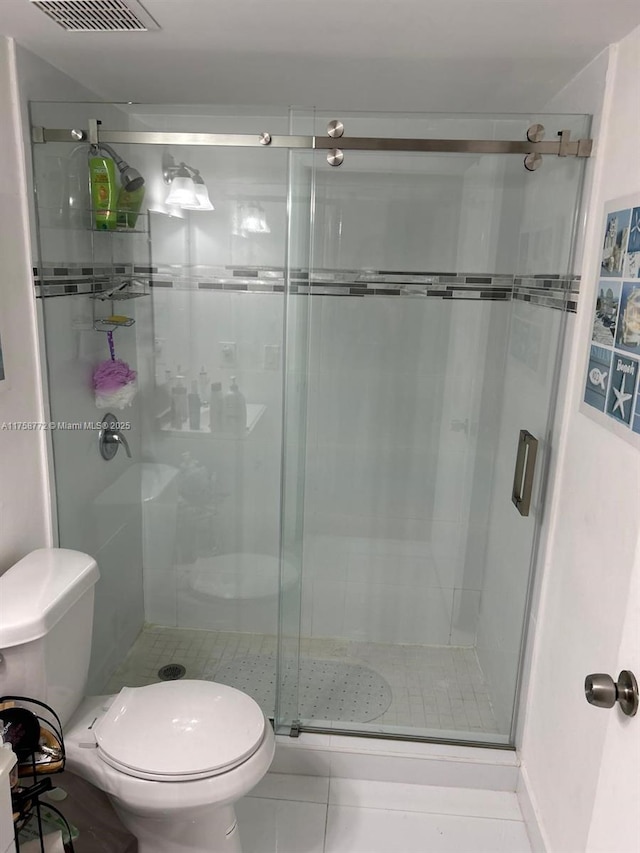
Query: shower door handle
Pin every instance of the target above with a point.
(524, 472)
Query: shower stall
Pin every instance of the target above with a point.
(389, 293)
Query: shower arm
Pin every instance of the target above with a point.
(117, 159)
(131, 178)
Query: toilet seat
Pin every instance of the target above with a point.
(179, 730)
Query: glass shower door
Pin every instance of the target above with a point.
(435, 308)
(187, 530)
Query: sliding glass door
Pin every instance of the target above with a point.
(432, 317)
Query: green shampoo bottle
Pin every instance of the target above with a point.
(104, 188)
(129, 205)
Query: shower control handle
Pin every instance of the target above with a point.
(116, 437)
(602, 691)
(110, 438)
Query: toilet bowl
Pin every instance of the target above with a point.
(173, 757)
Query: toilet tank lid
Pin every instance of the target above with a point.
(39, 589)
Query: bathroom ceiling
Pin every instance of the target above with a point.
(451, 55)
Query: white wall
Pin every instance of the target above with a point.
(24, 500)
(593, 535)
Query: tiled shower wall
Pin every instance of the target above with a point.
(403, 414)
(388, 440)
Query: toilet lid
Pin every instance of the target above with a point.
(179, 730)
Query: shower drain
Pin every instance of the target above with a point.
(171, 672)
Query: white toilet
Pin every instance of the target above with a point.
(173, 757)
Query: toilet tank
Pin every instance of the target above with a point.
(46, 620)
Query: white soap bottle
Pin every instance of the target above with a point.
(235, 409)
(203, 384)
(179, 393)
(216, 408)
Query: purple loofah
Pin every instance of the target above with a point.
(110, 376)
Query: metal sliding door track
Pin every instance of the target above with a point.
(564, 147)
(298, 727)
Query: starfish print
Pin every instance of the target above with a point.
(621, 397)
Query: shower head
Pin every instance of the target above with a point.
(131, 178)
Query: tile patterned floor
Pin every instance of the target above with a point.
(328, 689)
(434, 687)
(313, 814)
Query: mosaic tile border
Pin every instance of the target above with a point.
(551, 291)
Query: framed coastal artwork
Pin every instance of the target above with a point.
(612, 381)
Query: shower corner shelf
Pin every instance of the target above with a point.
(103, 325)
(141, 226)
(119, 290)
(120, 297)
(121, 230)
(255, 411)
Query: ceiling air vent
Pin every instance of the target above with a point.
(97, 16)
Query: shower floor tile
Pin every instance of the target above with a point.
(432, 687)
